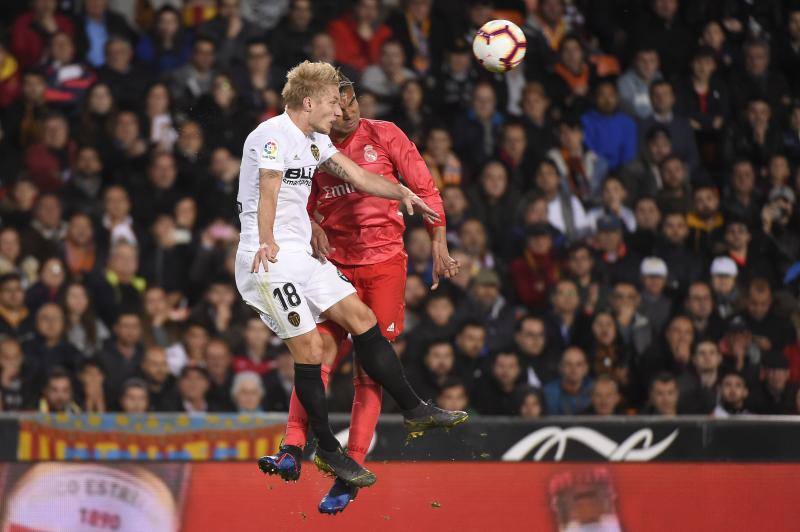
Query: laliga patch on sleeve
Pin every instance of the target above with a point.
(270, 151)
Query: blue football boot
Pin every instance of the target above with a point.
(337, 499)
(286, 463)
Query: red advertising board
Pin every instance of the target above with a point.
(408, 496)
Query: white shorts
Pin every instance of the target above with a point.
(294, 292)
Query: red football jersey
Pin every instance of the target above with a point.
(366, 229)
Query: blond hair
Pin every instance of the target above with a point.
(308, 80)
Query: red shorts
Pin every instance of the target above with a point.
(382, 288)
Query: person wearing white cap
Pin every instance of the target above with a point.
(654, 305)
(723, 283)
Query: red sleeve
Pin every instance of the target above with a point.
(412, 170)
(311, 207)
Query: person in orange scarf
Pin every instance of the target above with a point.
(444, 165)
(573, 77)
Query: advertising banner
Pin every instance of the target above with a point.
(464, 496)
(146, 437)
(232, 437)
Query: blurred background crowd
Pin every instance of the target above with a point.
(623, 204)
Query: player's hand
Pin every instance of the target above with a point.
(410, 200)
(443, 264)
(267, 252)
(320, 246)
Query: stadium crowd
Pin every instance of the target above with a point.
(623, 205)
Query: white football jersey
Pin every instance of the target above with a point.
(278, 144)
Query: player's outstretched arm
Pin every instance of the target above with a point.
(342, 167)
(269, 184)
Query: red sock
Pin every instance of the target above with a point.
(364, 417)
(297, 424)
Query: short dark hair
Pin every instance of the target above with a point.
(8, 277)
(58, 372)
(133, 382)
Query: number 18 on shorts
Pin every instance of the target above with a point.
(292, 295)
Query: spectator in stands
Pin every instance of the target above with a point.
(68, 78)
(740, 199)
(470, 348)
(700, 308)
(22, 119)
(573, 76)
(494, 391)
(15, 318)
(770, 332)
(128, 157)
(537, 268)
(223, 115)
(537, 117)
(566, 324)
(20, 377)
(47, 161)
(698, 388)
(607, 350)
(605, 399)
(423, 34)
(49, 348)
(680, 130)
(126, 79)
(81, 255)
(613, 204)
(472, 237)
(733, 394)
(95, 26)
(32, 30)
(190, 350)
(443, 164)
(120, 289)
(724, 274)
(254, 354)
(57, 396)
(608, 131)
(453, 395)
(685, 266)
(775, 396)
(581, 169)
(529, 402)
(258, 75)
(661, 28)
(219, 363)
(654, 304)
(634, 84)
(247, 392)
(615, 262)
(782, 241)
(91, 393)
(85, 180)
(43, 238)
(193, 384)
(475, 132)
(158, 118)
(642, 177)
(757, 138)
(47, 289)
(434, 368)
(488, 305)
(664, 396)
(85, 331)
(134, 398)
(705, 221)
(564, 210)
(359, 35)
(162, 386)
(580, 268)
(193, 80)
(278, 384)
(230, 31)
(123, 353)
(11, 258)
(539, 361)
(758, 80)
(675, 191)
(167, 47)
(673, 354)
(456, 79)
(570, 394)
(492, 201)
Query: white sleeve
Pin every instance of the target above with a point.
(326, 148)
(271, 147)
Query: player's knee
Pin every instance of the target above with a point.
(362, 319)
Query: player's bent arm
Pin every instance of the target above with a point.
(345, 169)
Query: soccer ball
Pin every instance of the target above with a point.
(499, 46)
